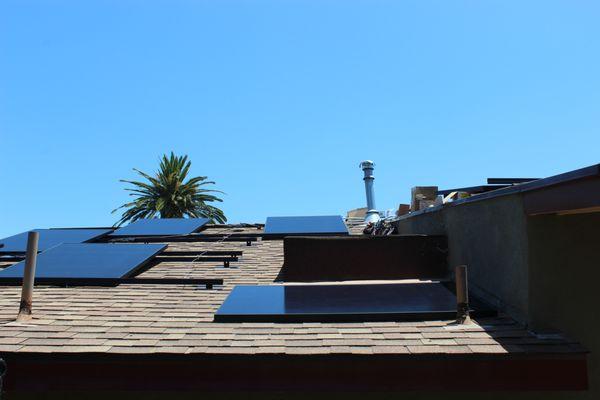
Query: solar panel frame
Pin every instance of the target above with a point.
(161, 227)
(337, 303)
(316, 225)
(49, 238)
(88, 260)
(209, 282)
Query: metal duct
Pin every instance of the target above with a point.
(372, 215)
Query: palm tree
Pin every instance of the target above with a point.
(169, 195)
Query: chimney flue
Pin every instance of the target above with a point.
(372, 214)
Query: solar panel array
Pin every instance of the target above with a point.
(161, 227)
(66, 256)
(337, 302)
(89, 260)
(305, 225)
(50, 238)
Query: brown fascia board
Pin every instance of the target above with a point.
(588, 173)
(582, 195)
(33, 372)
(582, 173)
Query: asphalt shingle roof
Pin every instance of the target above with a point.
(178, 318)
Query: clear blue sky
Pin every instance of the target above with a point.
(279, 101)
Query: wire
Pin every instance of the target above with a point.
(227, 234)
(223, 239)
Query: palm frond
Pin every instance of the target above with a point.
(169, 194)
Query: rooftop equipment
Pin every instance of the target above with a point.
(422, 197)
(362, 257)
(337, 302)
(161, 227)
(28, 277)
(87, 260)
(50, 238)
(321, 225)
(372, 215)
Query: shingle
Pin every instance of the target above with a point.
(11, 340)
(440, 342)
(424, 349)
(130, 343)
(455, 349)
(355, 330)
(61, 334)
(495, 348)
(40, 349)
(390, 350)
(398, 342)
(269, 343)
(178, 319)
(172, 349)
(330, 336)
(9, 348)
(84, 349)
(220, 336)
(402, 336)
(86, 342)
(46, 341)
(196, 349)
(303, 343)
(233, 350)
(361, 350)
(270, 350)
(307, 350)
(131, 349)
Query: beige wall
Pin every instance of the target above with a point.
(564, 282)
(543, 270)
(490, 237)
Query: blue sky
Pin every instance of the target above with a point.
(279, 101)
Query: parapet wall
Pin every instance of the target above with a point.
(490, 237)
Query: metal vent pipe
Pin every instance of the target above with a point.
(28, 276)
(372, 215)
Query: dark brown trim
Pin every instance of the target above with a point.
(472, 189)
(582, 173)
(293, 373)
(588, 173)
(569, 196)
(509, 181)
(66, 282)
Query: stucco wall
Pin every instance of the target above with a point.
(544, 270)
(564, 280)
(490, 237)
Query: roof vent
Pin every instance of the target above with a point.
(372, 215)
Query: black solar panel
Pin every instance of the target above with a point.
(89, 260)
(308, 225)
(369, 302)
(50, 238)
(161, 227)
